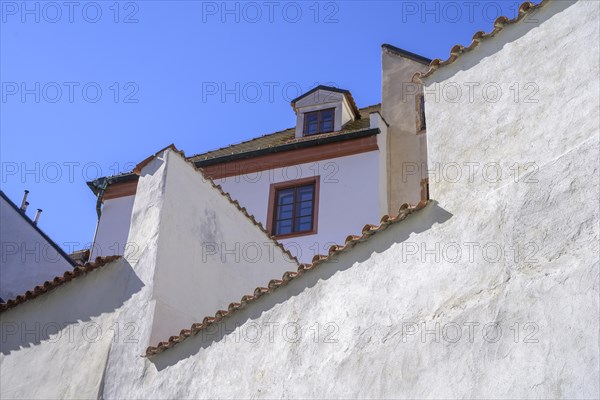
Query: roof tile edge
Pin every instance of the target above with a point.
(351, 241)
(56, 282)
(525, 9)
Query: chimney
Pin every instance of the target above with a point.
(37, 216)
(24, 203)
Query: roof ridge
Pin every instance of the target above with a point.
(457, 50)
(48, 286)
(351, 241)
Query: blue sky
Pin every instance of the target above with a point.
(91, 88)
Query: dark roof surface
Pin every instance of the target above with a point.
(285, 137)
(271, 143)
(407, 54)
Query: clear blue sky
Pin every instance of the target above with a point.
(158, 65)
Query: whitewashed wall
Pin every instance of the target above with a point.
(111, 239)
(27, 259)
(348, 199)
(56, 346)
(371, 303)
(427, 308)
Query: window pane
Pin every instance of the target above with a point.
(285, 196)
(283, 227)
(311, 123)
(285, 212)
(304, 209)
(303, 224)
(305, 193)
(326, 121)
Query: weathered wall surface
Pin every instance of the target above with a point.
(407, 147)
(56, 346)
(208, 253)
(492, 292)
(27, 259)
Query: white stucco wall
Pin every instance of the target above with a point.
(111, 239)
(426, 308)
(27, 259)
(208, 253)
(348, 199)
(389, 309)
(56, 346)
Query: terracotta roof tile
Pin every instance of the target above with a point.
(56, 282)
(351, 241)
(525, 9)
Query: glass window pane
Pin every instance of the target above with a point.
(326, 121)
(304, 209)
(303, 224)
(305, 193)
(283, 227)
(285, 196)
(285, 212)
(311, 123)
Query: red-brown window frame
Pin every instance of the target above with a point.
(287, 185)
(318, 121)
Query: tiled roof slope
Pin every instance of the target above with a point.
(56, 282)
(525, 9)
(284, 137)
(351, 241)
(270, 141)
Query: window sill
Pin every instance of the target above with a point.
(296, 234)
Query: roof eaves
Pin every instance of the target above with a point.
(524, 9)
(351, 241)
(404, 53)
(288, 146)
(56, 282)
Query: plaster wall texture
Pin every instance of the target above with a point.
(396, 301)
(27, 259)
(208, 252)
(349, 198)
(407, 156)
(56, 346)
(426, 308)
(111, 239)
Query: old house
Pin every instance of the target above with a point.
(488, 290)
(294, 182)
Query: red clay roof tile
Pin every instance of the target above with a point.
(351, 241)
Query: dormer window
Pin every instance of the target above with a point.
(321, 121)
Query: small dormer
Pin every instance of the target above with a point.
(324, 109)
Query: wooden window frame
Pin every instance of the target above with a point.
(319, 121)
(275, 187)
